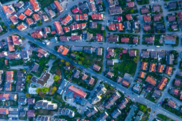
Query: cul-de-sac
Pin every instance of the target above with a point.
(90, 60)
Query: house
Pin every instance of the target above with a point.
(92, 7)
(174, 91)
(62, 50)
(103, 116)
(180, 15)
(22, 16)
(150, 39)
(153, 54)
(13, 56)
(169, 39)
(37, 34)
(35, 67)
(157, 93)
(58, 27)
(112, 27)
(66, 29)
(84, 6)
(91, 112)
(14, 19)
(76, 37)
(76, 74)
(66, 19)
(119, 26)
(128, 17)
(170, 59)
(169, 70)
(156, 8)
(150, 80)
(5, 97)
(171, 103)
(174, 26)
(112, 38)
(97, 16)
(29, 21)
(113, 3)
(142, 74)
(115, 10)
(147, 27)
(9, 80)
(147, 18)
(75, 10)
(125, 83)
(8, 10)
(116, 113)
(42, 53)
(19, 5)
(130, 4)
(132, 53)
(144, 66)
(4, 111)
(99, 37)
(93, 25)
(44, 79)
(45, 18)
(110, 53)
(171, 18)
(35, 5)
(52, 13)
(84, 76)
(110, 62)
(30, 113)
(112, 99)
(160, 68)
(96, 67)
(157, 17)
(64, 38)
(22, 101)
(152, 67)
(36, 17)
(66, 112)
(99, 51)
(145, 54)
(123, 103)
(28, 12)
(110, 74)
(137, 88)
(162, 83)
(47, 30)
(159, 27)
(172, 5)
(31, 101)
(10, 44)
(58, 6)
(144, 10)
(119, 18)
(76, 91)
(91, 81)
(125, 39)
(177, 82)
(21, 26)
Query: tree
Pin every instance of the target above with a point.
(56, 78)
(38, 90)
(67, 63)
(62, 60)
(54, 90)
(27, 95)
(12, 26)
(45, 89)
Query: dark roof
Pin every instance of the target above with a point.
(35, 67)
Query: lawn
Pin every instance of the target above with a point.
(161, 116)
(157, 42)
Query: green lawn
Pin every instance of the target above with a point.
(156, 41)
(161, 116)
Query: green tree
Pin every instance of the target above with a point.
(56, 78)
(67, 63)
(45, 89)
(27, 95)
(62, 61)
(38, 90)
(12, 26)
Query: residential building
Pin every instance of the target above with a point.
(151, 80)
(58, 6)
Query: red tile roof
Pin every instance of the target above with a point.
(35, 5)
(36, 17)
(58, 6)
(97, 16)
(29, 21)
(28, 12)
(66, 20)
(62, 50)
(21, 16)
(77, 91)
(58, 27)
